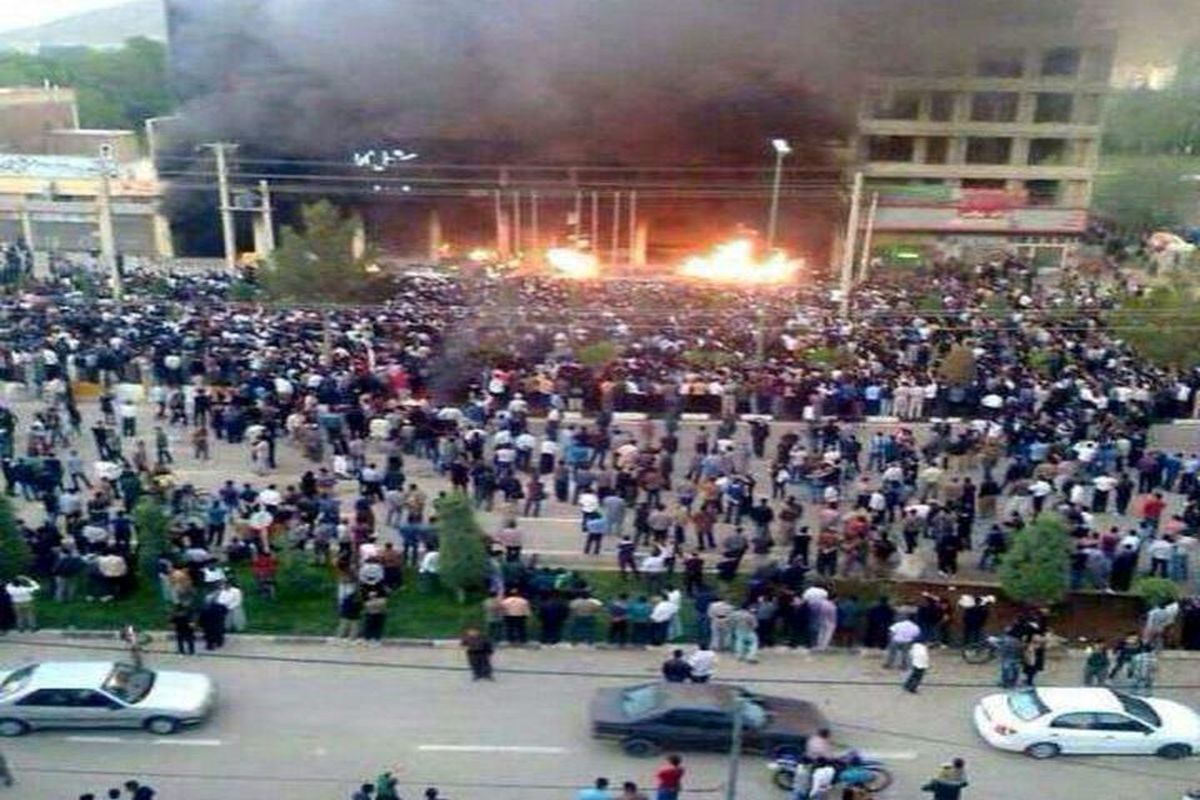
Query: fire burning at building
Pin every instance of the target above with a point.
(567, 262)
(736, 262)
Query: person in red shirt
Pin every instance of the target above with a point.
(1152, 509)
(670, 779)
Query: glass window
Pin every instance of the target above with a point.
(1048, 152)
(1075, 722)
(890, 148)
(1026, 705)
(1003, 63)
(1060, 62)
(1118, 722)
(994, 106)
(712, 720)
(128, 684)
(753, 715)
(49, 698)
(1138, 708)
(988, 150)
(937, 149)
(1053, 107)
(941, 106)
(86, 699)
(16, 680)
(639, 701)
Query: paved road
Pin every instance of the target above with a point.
(306, 722)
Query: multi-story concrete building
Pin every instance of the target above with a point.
(991, 144)
(51, 182)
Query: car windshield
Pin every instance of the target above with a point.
(1139, 709)
(753, 714)
(16, 680)
(1026, 705)
(640, 701)
(128, 683)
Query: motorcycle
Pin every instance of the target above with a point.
(853, 769)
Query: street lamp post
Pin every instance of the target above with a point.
(782, 149)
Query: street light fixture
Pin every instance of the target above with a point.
(782, 149)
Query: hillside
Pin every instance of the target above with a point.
(107, 27)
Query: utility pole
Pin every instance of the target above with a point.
(616, 228)
(847, 282)
(864, 263)
(268, 217)
(735, 752)
(782, 149)
(227, 229)
(104, 218)
(760, 336)
(578, 217)
(516, 222)
(596, 223)
(535, 225)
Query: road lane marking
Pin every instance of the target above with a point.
(893, 755)
(96, 739)
(489, 748)
(190, 742)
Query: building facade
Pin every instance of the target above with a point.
(53, 177)
(992, 146)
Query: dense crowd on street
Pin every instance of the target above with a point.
(478, 379)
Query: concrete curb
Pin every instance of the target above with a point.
(862, 652)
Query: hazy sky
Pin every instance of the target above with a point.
(20, 13)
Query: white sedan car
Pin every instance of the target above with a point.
(1044, 723)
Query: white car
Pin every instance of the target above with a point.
(1044, 723)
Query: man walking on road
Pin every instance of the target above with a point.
(949, 782)
(918, 659)
(479, 654)
(6, 776)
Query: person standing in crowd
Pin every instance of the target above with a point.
(949, 782)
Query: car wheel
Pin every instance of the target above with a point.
(639, 747)
(13, 727)
(1175, 751)
(1043, 750)
(163, 726)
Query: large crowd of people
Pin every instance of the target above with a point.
(943, 416)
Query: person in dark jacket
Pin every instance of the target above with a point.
(950, 781)
(479, 650)
(676, 669)
(879, 619)
(185, 631)
(212, 625)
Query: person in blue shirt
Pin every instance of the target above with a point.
(597, 792)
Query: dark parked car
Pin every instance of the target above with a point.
(699, 716)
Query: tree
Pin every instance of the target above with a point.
(317, 263)
(153, 527)
(15, 555)
(1161, 325)
(1147, 193)
(463, 563)
(1036, 567)
(119, 88)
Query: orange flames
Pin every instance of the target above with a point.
(571, 263)
(735, 262)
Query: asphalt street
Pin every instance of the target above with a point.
(310, 721)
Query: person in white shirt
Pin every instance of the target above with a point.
(918, 658)
(901, 636)
(230, 596)
(21, 590)
(703, 662)
(660, 617)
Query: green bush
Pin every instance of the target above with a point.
(463, 564)
(1035, 569)
(710, 359)
(15, 555)
(1156, 591)
(296, 578)
(597, 354)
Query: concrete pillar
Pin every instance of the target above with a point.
(434, 226)
(962, 107)
(1026, 105)
(919, 149)
(503, 235)
(1018, 156)
(27, 226)
(164, 245)
(358, 245)
(924, 105)
(641, 241)
(956, 150)
(260, 237)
